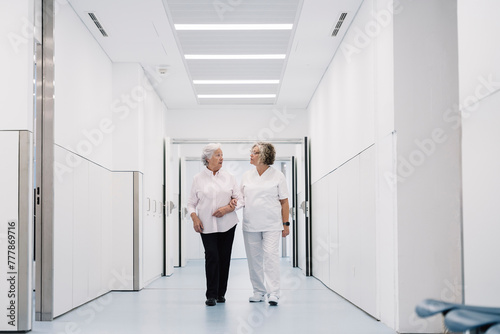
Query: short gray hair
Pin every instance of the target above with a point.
(208, 152)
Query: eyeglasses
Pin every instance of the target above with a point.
(254, 153)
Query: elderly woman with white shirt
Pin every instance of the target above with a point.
(265, 221)
(211, 205)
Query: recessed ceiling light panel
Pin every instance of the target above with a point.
(236, 96)
(236, 82)
(233, 26)
(243, 57)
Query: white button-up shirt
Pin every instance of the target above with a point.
(209, 192)
(261, 200)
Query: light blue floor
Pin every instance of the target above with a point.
(176, 305)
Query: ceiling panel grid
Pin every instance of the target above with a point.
(234, 42)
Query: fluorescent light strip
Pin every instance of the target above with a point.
(233, 26)
(270, 56)
(235, 82)
(236, 96)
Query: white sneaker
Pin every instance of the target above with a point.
(257, 297)
(273, 300)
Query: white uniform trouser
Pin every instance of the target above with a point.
(263, 261)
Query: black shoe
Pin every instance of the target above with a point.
(210, 302)
(221, 299)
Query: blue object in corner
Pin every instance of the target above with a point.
(430, 307)
(460, 320)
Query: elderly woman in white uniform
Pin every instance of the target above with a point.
(214, 194)
(265, 221)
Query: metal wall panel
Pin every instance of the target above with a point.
(9, 218)
(138, 282)
(45, 253)
(25, 229)
(16, 235)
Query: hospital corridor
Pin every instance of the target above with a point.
(249, 166)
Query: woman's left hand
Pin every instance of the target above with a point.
(233, 203)
(220, 212)
(285, 214)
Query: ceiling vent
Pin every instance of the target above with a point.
(98, 24)
(339, 24)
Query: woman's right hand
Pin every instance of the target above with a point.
(197, 224)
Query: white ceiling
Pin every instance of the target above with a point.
(143, 31)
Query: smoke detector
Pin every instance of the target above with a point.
(162, 70)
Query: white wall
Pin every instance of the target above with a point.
(97, 105)
(344, 247)
(82, 233)
(154, 115)
(479, 54)
(241, 123)
(83, 76)
(172, 205)
(342, 110)
(481, 163)
(128, 116)
(342, 116)
(429, 158)
(138, 139)
(385, 163)
(83, 184)
(382, 89)
(16, 65)
(123, 229)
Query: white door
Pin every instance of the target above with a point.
(303, 235)
(170, 212)
(183, 216)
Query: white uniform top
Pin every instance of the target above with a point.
(261, 200)
(210, 192)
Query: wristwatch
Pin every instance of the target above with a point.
(286, 224)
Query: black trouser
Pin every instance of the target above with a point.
(217, 258)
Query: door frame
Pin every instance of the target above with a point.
(307, 211)
(294, 205)
(44, 276)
